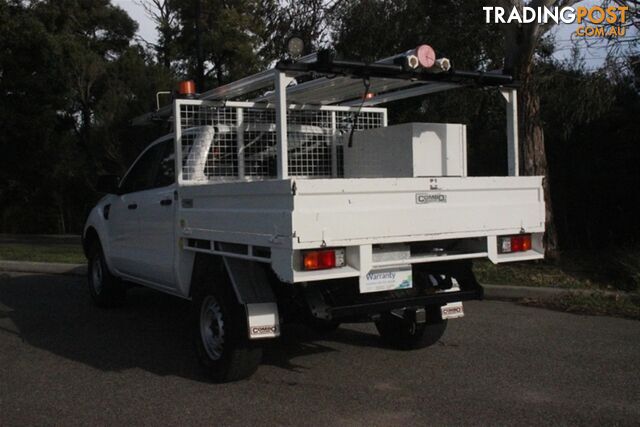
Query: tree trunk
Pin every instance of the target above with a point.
(520, 43)
(199, 48)
(62, 226)
(535, 156)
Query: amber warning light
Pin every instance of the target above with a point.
(187, 88)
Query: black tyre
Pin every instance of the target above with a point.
(105, 289)
(221, 334)
(406, 334)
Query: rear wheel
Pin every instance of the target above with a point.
(105, 289)
(406, 334)
(221, 340)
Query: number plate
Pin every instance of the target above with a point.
(387, 279)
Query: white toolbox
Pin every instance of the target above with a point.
(407, 150)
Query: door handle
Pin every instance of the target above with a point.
(166, 202)
(132, 206)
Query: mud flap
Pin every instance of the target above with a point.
(251, 285)
(263, 321)
(452, 310)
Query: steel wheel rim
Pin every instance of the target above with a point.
(96, 275)
(212, 328)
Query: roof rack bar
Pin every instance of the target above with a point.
(423, 89)
(363, 69)
(356, 89)
(247, 85)
(388, 81)
(335, 90)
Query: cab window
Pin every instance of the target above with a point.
(143, 172)
(154, 169)
(166, 168)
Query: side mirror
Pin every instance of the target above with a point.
(108, 184)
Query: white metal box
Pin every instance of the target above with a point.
(408, 150)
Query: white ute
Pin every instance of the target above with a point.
(285, 196)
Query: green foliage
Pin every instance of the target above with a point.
(598, 270)
(66, 253)
(70, 81)
(373, 29)
(534, 273)
(593, 303)
(307, 19)
(225, 32)
(593, 153)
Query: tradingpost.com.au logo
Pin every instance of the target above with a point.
(594, 21)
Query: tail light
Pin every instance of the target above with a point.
(518, 243)
(323, 259)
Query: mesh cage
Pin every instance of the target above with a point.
(238, 140)
(209, 149)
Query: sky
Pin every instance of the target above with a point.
(146, 27)
(594, 56)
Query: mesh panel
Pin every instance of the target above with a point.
(209, 142)
(260, 143)
(233, 142)
(310, 137)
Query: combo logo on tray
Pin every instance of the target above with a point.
(424, 198)
(262, 330)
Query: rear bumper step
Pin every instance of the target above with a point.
(476, 293)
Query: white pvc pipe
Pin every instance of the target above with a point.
(198, 154)
(422, 56)
(440, 65)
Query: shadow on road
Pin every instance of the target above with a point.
(151, 332)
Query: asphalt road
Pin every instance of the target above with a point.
(64, 362)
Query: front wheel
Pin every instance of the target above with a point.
(105, 289)
(221, 340)
(406, 334)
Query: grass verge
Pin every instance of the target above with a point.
(529, 273)
(65, 253)
(578, 270)
(596, 303)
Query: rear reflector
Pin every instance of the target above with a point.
(519, 243)
(323, 259)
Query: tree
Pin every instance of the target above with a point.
(89, 34)
(165, 16)
(521, 42)
(307, 19)
(70, 81)
(593, 153)
(371, 29)
(31, 93)
(218, 40)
